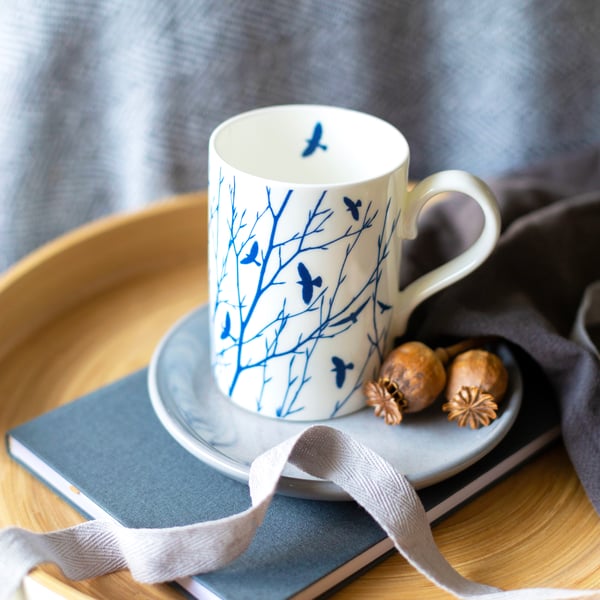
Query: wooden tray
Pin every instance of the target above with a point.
(90, 308)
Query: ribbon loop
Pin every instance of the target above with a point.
(156, 555)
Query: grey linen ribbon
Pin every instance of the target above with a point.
(155, 555)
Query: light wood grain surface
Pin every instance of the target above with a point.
(90, 308)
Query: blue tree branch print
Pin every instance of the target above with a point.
(279, 297)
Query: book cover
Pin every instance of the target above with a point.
(109, 456)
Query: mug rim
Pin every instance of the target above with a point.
(403, 159)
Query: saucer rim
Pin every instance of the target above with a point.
(305, 488)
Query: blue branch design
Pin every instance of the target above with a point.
(264, 261)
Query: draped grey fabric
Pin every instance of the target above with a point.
(530, 290)
(106, 105)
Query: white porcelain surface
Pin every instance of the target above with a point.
(307, 209)
(426, 446)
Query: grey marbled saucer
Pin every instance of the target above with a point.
(426, 447)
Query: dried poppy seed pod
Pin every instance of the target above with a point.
(476, 381)
(410, 379)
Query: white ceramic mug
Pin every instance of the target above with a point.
(308, 206)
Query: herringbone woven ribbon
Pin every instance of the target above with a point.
(156, 555)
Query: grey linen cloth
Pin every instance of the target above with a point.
(529, 291)
(106, 105)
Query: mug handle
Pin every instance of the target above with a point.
(459, 266)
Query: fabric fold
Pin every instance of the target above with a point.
(530, 289)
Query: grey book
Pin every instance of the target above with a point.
(108, 455)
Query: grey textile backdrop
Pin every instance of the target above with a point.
(106, 105)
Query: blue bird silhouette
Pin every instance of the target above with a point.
(340, 368)
(353, 316)
(308, 283)
(251, 256)
(315, 141)
(352, 207)
(226, 332)
(383, 306)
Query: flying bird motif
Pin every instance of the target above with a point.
(340, 368)
(308, 283)
(315, 141)
(352, 207)
(251, 256)
(383, 306)
(226, 332)
(353, 316)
